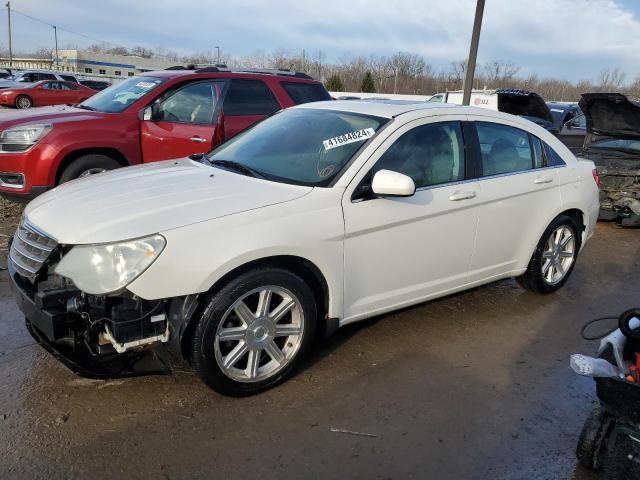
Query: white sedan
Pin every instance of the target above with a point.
(319, 216)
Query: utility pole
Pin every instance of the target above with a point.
(9, 19)
(55, 33)
(218, 56)
(473, 53)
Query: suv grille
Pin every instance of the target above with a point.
(30, 249)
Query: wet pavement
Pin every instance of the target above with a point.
(473, 386)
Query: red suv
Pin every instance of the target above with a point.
(155, 116)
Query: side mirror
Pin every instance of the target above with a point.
(146, 114)
(387, 183)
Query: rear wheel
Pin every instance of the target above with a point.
(88, 165)
(24, 101)
(591, 449)
(253, 332)
(554, 257)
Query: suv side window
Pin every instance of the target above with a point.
(44, 76)
(305, 92)
(249, 97)
(194, 103)
(504, 149)
(430, 154)
(28, 77)
(69, 78)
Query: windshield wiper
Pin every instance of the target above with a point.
(238, 167)
(84, 107)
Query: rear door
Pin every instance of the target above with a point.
(518, 191)
(183, 122)
(247, 102)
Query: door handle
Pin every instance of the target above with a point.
(541, 180)
(457, 196)
(198, 139)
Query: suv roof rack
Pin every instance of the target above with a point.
(203, 68)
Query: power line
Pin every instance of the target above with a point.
(13, 10)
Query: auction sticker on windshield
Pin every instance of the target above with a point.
(347, 138)
(146, 85)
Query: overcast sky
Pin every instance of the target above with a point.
(571, 39)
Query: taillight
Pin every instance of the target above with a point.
(596, 177)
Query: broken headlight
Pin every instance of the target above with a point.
(107, 268)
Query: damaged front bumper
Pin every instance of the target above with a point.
(102, 337)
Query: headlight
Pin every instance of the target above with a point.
(20, 138)
(107, 268)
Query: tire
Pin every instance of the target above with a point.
(88, 165)
(539, 276)
(592, 444)
(24, 101)
(251, 334)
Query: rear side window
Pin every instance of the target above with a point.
(538, 156)
(504, 149)
(249, 97)
(305, 92)
(553, 158)
(430, 154)
(69, 78)
(45, 76)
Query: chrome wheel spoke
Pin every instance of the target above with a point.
(232, 333)
(274, 352)
(547, 254)
(560, 270)
(546, 267)
(566, 254)
(244, 313)
(263, 303)
(253, 363)
(287, 330)
(234, 355)
(281, 310)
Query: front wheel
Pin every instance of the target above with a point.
(554, 257)
(253, 332)
(24, 101)
(88, 165)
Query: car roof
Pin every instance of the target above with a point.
(391, 109)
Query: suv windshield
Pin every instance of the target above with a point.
(302, 146)
(118, 97)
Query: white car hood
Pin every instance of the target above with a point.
(143, 200)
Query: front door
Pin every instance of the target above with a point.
(183, 123)
(399, 251)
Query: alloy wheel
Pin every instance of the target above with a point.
(24, 102)
(558, 255)
(259, 334)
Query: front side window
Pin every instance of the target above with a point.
(249, 97)
(194, 103)
(579, 122)
(28, 77)
(504, 149)
(430, 154)
(120, 96)
(48, 86)
(302, 146)
(305, 92)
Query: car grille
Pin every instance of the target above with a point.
(29, 249)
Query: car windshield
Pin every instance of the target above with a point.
(118, 97)
(617, 144)
(302, 146)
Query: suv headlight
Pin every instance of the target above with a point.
(23, 137)
(108, 268)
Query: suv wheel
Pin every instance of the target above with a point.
(554, 258)
(88, 165)
(24, 101)
(253, 332)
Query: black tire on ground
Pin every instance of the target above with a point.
(202, 347)
(86, 163)
(24, 101)
(532, 278)
(592, 444)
